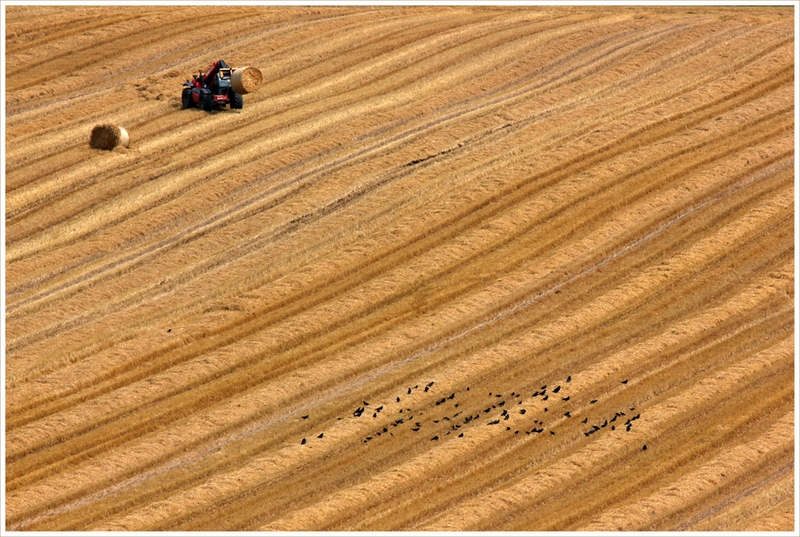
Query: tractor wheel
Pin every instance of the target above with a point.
(207, 101)
(186, 99)
(237, 101)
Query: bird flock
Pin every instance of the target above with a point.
(514, 413)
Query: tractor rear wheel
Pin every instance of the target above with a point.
(186, 99)
(237, 101)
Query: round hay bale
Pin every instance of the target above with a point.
(246, 79)
(108, 137)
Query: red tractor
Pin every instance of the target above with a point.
(211, 89)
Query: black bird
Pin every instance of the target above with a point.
(565, 398)
(644, 447)
(495, 422)
(409, 391)
(375, 415)
(427, 388)
(379, 408)
(614, 419)
(435, 421)
(418, 424)
(430, 384)
(367, 439)
(358, 412)
(385, 430)
(456, 405)
(446, 418)
(398, 399)
(501, 403)
(365, 403)
(545, 398)
(303, 442)
(461, 435)
(613, 427)
(632, 408)
(636, 417)
(567, 414)
(593, 401)
(628, 428)
(522, 411)
(569, 378)
(467, 388)
(415, 429)
(585, 420)
(552, 432)
(488, 410)
(535, 394)
(499, 395)
(442, 400)
(320, 435)
(398, 422)
(587, 434)
(543, 387)
(504, 412)
(604, 423)
(508, 428)
(507, 416)
(556, 389)
(435, 437)
(305, 417)
(452, 395)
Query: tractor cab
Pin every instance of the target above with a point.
(223, 82)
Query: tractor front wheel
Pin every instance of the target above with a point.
(237, 101)
(207, 101)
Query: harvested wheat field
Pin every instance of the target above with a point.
(454, 268)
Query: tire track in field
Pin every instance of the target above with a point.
(237, 125)
(745, 183)
(150, 60)
(473, 379)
